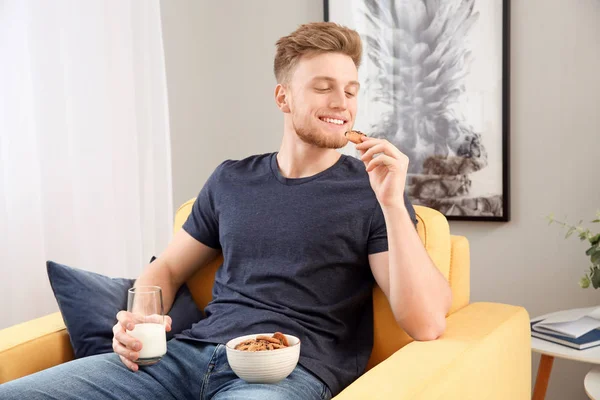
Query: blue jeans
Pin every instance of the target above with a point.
(189, 370)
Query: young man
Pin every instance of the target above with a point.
(305, 233)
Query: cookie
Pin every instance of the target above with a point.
(261, 343)
(354, 136)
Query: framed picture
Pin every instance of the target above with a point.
(435, 82)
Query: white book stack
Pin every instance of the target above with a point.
(576, 328)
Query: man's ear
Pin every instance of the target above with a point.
(281, 98)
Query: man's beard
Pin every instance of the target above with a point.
(312, 136)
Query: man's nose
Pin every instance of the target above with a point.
(338, 100)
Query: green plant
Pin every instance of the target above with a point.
(593, 276)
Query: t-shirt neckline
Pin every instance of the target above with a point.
(299, 181)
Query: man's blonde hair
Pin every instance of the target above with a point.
(315, 38)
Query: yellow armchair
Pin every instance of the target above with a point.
(484, 353)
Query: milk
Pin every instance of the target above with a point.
(153, 338)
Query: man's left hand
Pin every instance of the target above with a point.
(387, 170)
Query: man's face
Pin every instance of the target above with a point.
(321, 94)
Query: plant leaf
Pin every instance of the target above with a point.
(596, 257)
(595, 278)
(595, 240)
(584, 282)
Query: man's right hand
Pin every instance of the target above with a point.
(182, 257)
(126, 346)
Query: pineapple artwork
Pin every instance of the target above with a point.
(417, 68)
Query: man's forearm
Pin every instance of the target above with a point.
(419, 294)
(157, 274)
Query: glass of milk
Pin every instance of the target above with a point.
(146, 305)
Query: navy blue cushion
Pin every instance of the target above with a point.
(89, 303)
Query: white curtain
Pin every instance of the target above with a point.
(85, 175)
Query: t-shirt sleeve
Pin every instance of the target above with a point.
(203, 222)
(410, 209)
(378, 235)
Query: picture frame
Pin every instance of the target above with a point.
(435, 82)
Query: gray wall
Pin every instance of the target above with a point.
(555, 140)
(219, 68)
(219, 60)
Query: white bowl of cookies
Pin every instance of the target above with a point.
(263, 357)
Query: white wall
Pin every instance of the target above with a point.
(219, 67)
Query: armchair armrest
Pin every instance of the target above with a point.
(485, 353)
(33, 346)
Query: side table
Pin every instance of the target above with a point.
(592, 384)
(549, 352)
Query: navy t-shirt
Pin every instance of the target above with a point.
(295, 260)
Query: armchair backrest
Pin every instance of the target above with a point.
(449, 253)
